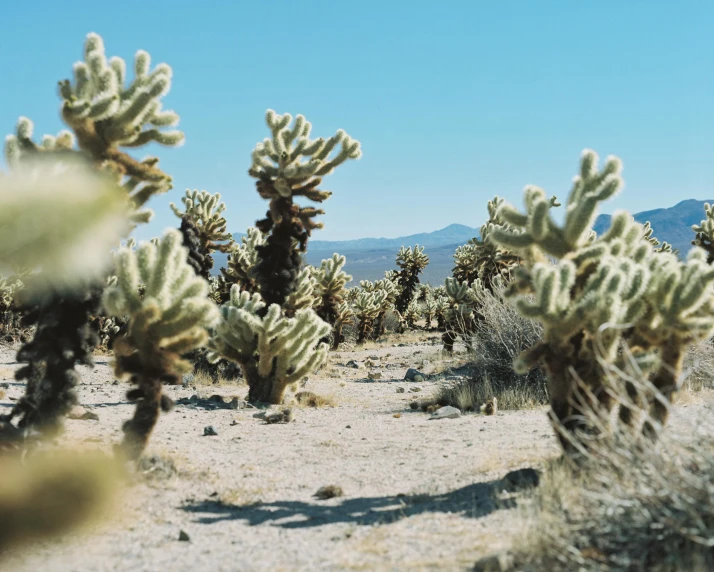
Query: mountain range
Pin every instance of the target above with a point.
(369, 258)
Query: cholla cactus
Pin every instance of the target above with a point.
(304, 296)
(461, 313)
(480, 257)
(386, 302)
(282, 177)
(345, 316)
(105, 114)
(168, 321)
(602, 292)
(705, 233)
(205, 212)
(242, 261)
(429, 310)
(366, 308)
(331, 280)
(411, 263)
(413, 314)
(274, 351)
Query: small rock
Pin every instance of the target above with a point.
(5, 385)
(374, 357)
(415, 389)
(284, 416)
(397, 415)
(447, 412)
(354, 364)
(79, 412)
(328, 492)
(217, 398)
(236, 403)
(400, 390)
(184, 537)
(209, 431)
(374, 375)
(414, 375)
(115, 382)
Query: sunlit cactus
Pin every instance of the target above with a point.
(274, 351)
(290, 165)
(330, 288)
(603, 292)
(169, 320)
(366, 307)
(480, 257)
(205, 210)
(705, 233)
(411, 263)
(242, 262)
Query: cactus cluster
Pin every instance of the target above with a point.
(604, 294)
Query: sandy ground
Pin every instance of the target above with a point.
(419, 494)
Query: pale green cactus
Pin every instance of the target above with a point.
(391, 291)
(603, 292)
(169, 320)
(274, 351)
(63, 217)
(205, 212)
(242, 260)
(304, 295)
(345, 317)
(107, 113)
(330, 290)
(280, 158)
(705, 233)
(411, 263)
(366, 307)
(482, 258)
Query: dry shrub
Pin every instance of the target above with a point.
(630, 504)
(469, 395)
(495, 341)
(310, 399)
(699, 367)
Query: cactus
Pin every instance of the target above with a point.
(705, 233)
(603, 292)
(386, 302)
(168, 321)
(280, 341)
(61, 218)
(274, 351)
(345, 316)
(282, 177)
(411, 263)
(480, 257)
(204, 211)
(330, 287)
(105, 114)
(366, 308)
(242, 261)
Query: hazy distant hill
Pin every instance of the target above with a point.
(673, 224)
(368, 258)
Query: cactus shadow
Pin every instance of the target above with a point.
(474, 501)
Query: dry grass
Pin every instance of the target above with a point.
(310, 399)
(629, 504)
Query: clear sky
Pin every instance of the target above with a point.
(452, 101)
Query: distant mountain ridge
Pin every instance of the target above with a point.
(369, 258)
(673, 224)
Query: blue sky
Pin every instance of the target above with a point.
(452, 101)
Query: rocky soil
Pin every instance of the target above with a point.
(416, 493)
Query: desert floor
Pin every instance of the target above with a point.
(419, 494)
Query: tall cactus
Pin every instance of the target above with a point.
(331, 280)
(282, 177)
(603, 292)
(411, 263)
(274, 335)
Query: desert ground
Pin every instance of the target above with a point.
(417, 493)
